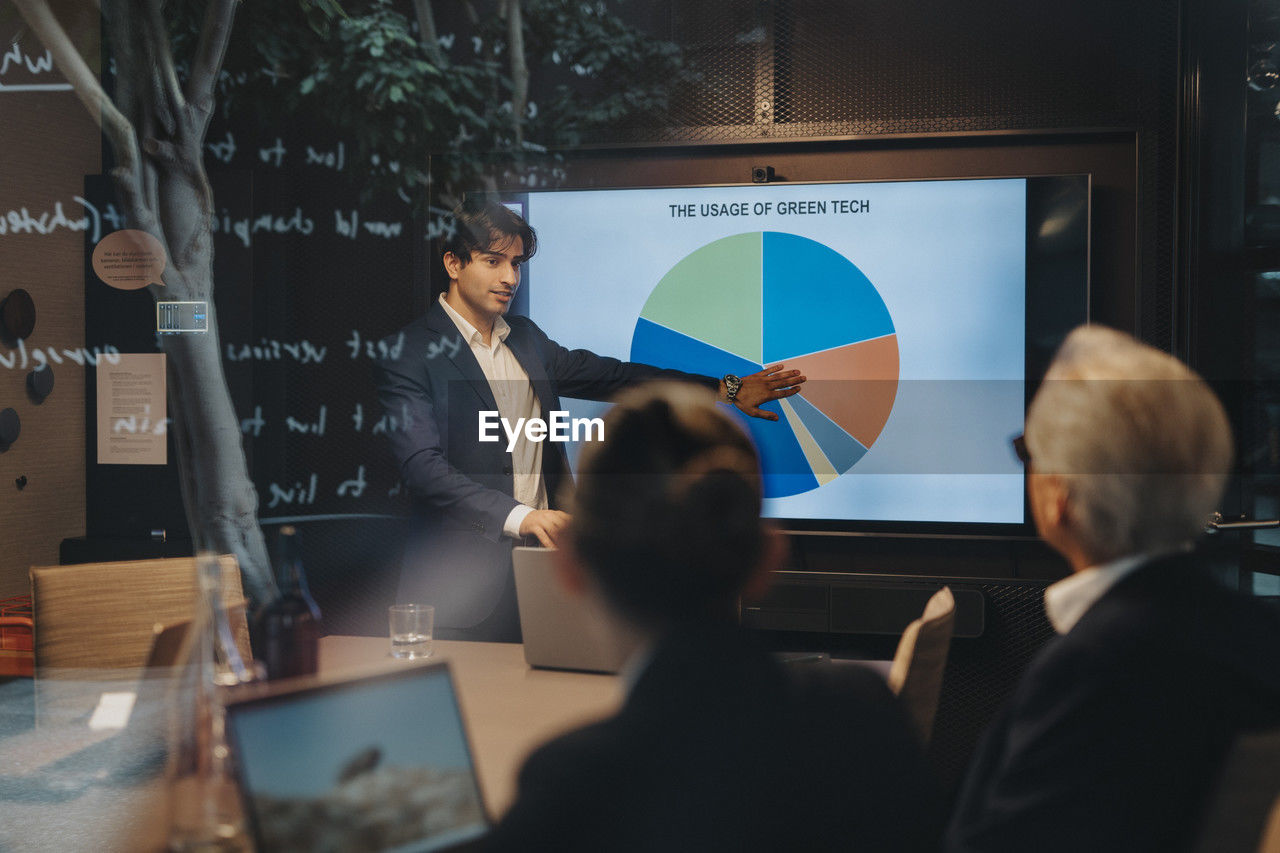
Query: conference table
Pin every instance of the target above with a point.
(508, 708)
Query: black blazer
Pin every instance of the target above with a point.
(432, 389)
(1113, 737)
(719, 747)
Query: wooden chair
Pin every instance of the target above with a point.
(101, 616)
(916, 673)
(1271, 835)
(1243, 815)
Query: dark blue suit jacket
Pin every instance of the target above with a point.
(1112, 739)
(721, 748)
(461, 488)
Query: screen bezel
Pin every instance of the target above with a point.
(254, 696)
(1047, 319)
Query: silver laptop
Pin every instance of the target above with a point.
(376, 762)
(560, 630)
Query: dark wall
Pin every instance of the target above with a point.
(879, 69)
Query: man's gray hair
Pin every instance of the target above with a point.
(1141, 441)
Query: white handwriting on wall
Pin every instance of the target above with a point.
(15, 59)
(51, 355)
(345, 224)
(23, 221)
(303, 492)
(303, 352)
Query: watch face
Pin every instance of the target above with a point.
(732, 384)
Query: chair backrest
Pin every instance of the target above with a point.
(102, 615)
(1243, 814)
(916, 673)
(1271, 835)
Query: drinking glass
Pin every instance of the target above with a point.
(411, 630)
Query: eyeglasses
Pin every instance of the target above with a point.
(1020, 450)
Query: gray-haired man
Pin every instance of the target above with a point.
(1112, 739)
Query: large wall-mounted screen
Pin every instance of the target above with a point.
(905, 304)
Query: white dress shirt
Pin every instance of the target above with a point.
(1070, 598)
(514, 395)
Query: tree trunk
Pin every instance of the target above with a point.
(222, 504)
(519, 71)
(157, 131)
(487, 179)
(427, 33)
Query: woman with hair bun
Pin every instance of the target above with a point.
(718, 746)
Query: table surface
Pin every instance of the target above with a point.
(508, 707)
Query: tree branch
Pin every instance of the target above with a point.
(429, 37)
(168, 94)
(83, 81)
(207, 62)
(473, 17)
(519, 70)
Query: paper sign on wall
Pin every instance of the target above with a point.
(132, 412)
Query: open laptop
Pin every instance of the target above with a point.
(375, 762)
(561, 631)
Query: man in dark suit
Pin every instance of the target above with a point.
(718, 746)
(1113, 738)
(474, 489)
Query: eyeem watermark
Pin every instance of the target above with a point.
(559, 428)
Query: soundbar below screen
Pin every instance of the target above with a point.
(902, 302)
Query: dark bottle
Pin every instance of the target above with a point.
(287, 629)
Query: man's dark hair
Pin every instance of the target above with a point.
(481, 224)
(666, 516)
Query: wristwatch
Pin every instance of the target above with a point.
(732, 385)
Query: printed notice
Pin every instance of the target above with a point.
(129, 259)
(132, 416)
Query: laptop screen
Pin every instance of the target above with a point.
(375, 763)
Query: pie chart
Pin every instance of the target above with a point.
(767, 297)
